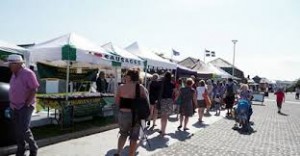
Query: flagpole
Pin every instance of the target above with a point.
(172, 54)
(204, 55)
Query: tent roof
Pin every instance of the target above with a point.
(11, 48)
(120, 51)
(86, 50)
(190, 62)
(152, 59)
(111, 48)
(70, 39)
(219, 62)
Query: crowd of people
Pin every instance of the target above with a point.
(183, 97)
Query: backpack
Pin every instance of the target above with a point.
(140, 106)
(229, 90)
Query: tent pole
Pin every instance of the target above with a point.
(67, 82)
(116, 81)
(145, 77)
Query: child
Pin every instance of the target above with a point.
(218, 100)
(280, 97)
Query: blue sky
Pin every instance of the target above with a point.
(267, 31)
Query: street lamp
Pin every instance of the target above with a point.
(234, 42)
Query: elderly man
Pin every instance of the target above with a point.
(23, 86)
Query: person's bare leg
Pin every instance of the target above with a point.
(164, 119)
(200, 113)
(181, 120)
(132, 147)
(121, 143)
(186, 120)
(151, 114)
(155, 113)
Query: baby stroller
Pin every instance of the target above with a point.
(242, 112)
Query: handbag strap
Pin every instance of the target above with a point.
(137, 91)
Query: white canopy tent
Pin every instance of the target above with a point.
(153, 61)
(87, 52)
(221, 72)
(9, 48)
(62, 50)
(127, 59)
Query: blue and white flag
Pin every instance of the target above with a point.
(176, 53)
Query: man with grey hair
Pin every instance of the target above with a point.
(23, 86)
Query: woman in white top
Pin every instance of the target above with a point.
(201, 89)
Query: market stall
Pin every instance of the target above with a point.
(127, 59)
(182, 71)
(79, 105)
(154, 62)
(70, 53)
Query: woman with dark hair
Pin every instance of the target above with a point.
(124, 99)
(154, 86)
(188, 97)
(166, 101)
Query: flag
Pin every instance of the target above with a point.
(213, 54)
(207, 53)
(210, 53)
(176, 53)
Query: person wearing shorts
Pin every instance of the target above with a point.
(201, 89)
(166, 101)
(128, 124)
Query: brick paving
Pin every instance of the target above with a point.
(274, 134)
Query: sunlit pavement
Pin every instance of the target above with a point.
(274, 134)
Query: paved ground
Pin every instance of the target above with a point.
(105, 143)
(274, 134)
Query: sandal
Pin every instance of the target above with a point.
(186, 129)
(179, 127)
(162, 134)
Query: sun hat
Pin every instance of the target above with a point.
(14, 58)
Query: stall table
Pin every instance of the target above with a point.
(79, 105)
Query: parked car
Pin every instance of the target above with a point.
(7, 134)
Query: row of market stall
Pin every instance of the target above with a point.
(83, 53)
(74, 58)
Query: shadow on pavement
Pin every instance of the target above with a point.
(155, 143)
(258, 104)
(229, 117)
(181, 135)
(151, 131)
(111, 152)
(283, 114)
(243, 131)
(123, 152)
(173, 119)
(200, 125)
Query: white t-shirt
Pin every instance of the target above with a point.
(200, 91)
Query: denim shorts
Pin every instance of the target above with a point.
(126, 128)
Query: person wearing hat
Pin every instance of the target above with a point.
(23, 86)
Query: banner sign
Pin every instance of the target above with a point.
(117, 58)
(49, 71)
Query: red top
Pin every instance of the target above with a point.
(279, 96)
